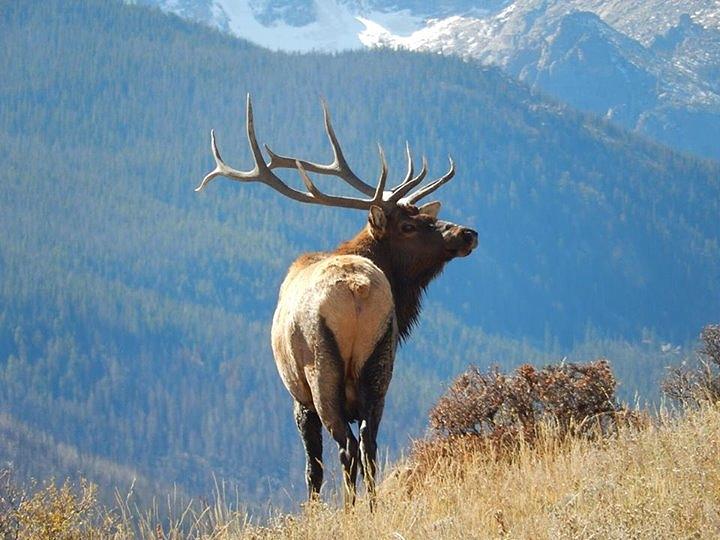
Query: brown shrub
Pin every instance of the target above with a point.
(699, 382)
(495, 413)
(492, 405)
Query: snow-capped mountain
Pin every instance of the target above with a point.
(650, 65)
(334, 25)
(296, 25)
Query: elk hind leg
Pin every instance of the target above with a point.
(308, 423)
(373, 384)
(327, 384)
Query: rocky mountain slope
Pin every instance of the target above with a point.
(650, 66)
(654, 71)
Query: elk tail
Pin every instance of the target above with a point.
(359, 285)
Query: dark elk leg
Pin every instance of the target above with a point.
(327, 384)
(308, 423)
(373, 384)
(348, 451)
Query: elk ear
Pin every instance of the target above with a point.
(377, 220)
(431, 209)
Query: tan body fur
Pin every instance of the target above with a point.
(354, 299)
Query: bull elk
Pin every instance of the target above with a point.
(341, 314)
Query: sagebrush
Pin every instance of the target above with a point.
(496, 412)
(493, 405)
(699, 381)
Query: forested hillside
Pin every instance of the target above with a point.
(134, 313)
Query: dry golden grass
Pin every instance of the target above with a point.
(52, 512)
(661, 482)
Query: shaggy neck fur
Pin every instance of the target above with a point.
(409, 276)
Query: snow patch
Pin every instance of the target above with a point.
(334, 29)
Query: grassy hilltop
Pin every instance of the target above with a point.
(539, 453)
(659, 482)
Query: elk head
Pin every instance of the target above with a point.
(423, 237)
(393, 217)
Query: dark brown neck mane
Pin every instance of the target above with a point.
(408, 276)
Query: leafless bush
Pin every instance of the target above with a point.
(493, 412)
(493, 405)
(699, 382)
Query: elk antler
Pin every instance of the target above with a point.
(262, 172)
(338, 167)
(427, 190)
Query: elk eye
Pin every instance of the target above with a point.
(407, 228)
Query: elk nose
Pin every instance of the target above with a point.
(470, 237)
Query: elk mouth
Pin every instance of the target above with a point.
(459, 252)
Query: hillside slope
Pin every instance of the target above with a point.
(660, 483)
(134, 313)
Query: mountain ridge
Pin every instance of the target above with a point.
(670, 94)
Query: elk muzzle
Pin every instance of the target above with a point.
(459, 241)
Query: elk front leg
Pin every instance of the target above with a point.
(308, 423)
(373, 384)
(326, 378)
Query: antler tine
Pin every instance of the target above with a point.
(318, 197)
(339, 166)
(410, 167)
(400, 191)
(427, 190)
(260, 164)
(380, 189)
(408, 176)
(356, 203)
(339, 160)
(219, 163)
